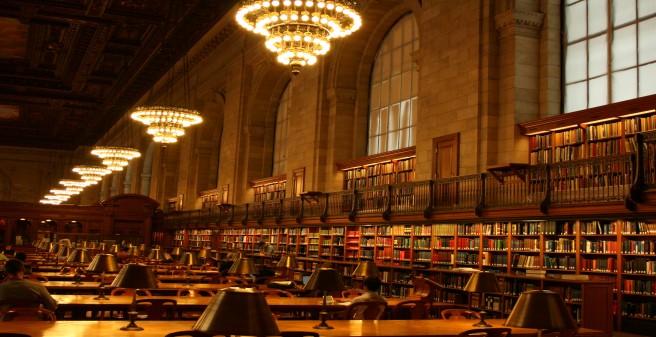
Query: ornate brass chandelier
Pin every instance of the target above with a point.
(299, 30)
(73, 185)
(166, 123)
(91, 174)
(115, 157)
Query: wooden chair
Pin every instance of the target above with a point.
(27, 314)
(195, 293)
(487, 332)
(366, 310)
(213, 279)
(352, 293)
(559, 332)
(158, 308)
(459, 314)
(411, 309)
(298, 334)
(276, 293)
(129, 292)
(192, 314)
(189, 333)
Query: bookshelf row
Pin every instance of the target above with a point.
(390, 171)
(609, 136)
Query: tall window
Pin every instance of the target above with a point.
(609, 51)
(282, 126)
(393, 92)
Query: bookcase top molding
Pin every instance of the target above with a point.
(268, 180)
(589, 116)
(377, 158)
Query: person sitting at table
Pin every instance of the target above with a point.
(22, 257)
(371, 288)
(265, 247)
(20, 290)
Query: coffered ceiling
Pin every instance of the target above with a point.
(69, 69)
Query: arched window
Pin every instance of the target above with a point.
(393, 92)
(282, 127)
(609, 52)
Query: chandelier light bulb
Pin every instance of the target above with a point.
(91, 174)
(115, 157)
(299, 30)
(166, 123)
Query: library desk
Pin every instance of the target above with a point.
(78, 305)
(383, 328)
(193, 278)
(88, 287)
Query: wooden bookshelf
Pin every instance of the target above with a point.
(590, 133)
(271, 188)
(394, 167)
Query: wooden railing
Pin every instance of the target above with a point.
(595, 180)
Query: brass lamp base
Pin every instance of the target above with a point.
(482, 322)
(323, 325)
(132, 326)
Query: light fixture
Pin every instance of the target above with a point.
(103, 263)
(482, 282)
(115, 157)
(238, 312)
(324, 279)
(366, 269)
(91, 174)
(74, 185)
(541, 309)
(299, 30)
(134, 276)
(167, 122)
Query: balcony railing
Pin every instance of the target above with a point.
(595, 180)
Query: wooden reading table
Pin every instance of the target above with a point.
(382, 328)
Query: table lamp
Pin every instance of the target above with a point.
(482, 282)
(176, 251)
(114, 249)
(92, 245)
(78, 257)
(53, 249)
(541, 310)
(101, 264)
(204, 254)
(102, 247)
(135, 276)
(325, 279)
(142, 249)
(188, 259)
(287, 265)
(155, 256)
(366, 269)
(244, 266)
(63, 253)
(134, 251)
(240, 312)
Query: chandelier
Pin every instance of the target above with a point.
(74, 186)
(91, 174)
(115, 157)
(166, 123)
(299, 30)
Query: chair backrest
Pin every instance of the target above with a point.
(195, 292)
(366, 310)
(559, 332)
(159, 308)
(459, 314)
(190, 333)
(130, 292)
(27, 314)
(214, 279)
(411, 309)
(351, 293)
(298, 334)
(276, 293)
(488, 332)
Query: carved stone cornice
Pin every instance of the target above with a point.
(529, 22)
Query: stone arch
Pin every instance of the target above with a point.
(350, 68)
(208, 143)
